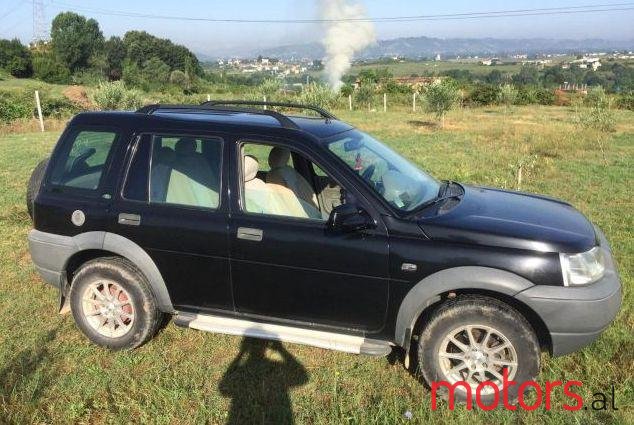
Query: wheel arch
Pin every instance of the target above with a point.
(427, 294)
(91, 245)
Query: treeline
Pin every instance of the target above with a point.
(79, 53)
(529, 85)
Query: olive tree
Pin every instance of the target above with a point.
(439, 98)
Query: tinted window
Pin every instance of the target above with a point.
(82, 164)
(136, 187)
(185, 171)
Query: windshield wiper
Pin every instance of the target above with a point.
(442, 196)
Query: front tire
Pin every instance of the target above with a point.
(472, 339)
(112, 304)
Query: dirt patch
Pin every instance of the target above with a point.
(78, 95)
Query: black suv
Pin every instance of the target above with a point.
(247, 221)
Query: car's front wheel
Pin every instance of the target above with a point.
(113, 305)
(473, 339)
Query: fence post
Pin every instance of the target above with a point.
(264, 101)
(384, 102)
(208, 98)
(39, 110)
(414, 102)
(350, 102)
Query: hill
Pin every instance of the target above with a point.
(419, 47)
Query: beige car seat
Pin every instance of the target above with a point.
(284, 175)
(265, 198)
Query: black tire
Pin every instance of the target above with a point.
(35, 181)
(477, 310)
(147, 317)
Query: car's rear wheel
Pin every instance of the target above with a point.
(113, 305)
(472, 339)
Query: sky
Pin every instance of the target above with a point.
(16, 17)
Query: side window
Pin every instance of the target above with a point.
(81, 166)
(273, 186)
(185, 171)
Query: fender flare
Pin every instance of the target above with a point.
(125, 248)
(428, 291)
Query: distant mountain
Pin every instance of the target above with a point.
(418, 47)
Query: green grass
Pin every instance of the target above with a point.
(405, 69)
(49, 373)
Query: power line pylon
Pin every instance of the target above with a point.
(40, 31)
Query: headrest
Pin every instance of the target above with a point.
(251, 167)
(185, 146)
(278, 157)
(166, 154)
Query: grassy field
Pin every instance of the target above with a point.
(50, 373)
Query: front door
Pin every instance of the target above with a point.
(172, 206)
(285, 262)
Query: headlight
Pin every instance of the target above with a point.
(584, 268)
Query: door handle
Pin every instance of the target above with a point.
(250, 234)
(130, 219)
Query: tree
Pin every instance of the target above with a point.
(528, 76)
(115, 52)
(15, 58)
(75, 39)
(47, 68)
(440, 97)
(155, 71)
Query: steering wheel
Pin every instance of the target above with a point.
(368, 172)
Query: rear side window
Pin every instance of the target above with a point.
(82, 163)
(182, 171)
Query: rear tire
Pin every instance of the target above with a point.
(112, 304)
(502, 338)
(33, 187)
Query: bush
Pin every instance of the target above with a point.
(483, 94)
(626, 101)
(318, 95)
(507, 95)
(114, 95)
(364, 95)
(596, 96)
(544, 96)
(58, 107)
(47, 68)
(13, 107)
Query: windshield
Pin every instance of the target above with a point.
(397, 180)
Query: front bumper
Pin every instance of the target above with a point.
(576, 316)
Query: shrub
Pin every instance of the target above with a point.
(49, 69)
(114, 95)
(15, 58)
(626, 101)
(544, 96)
(270, 87)
(364, 95)
(318, 95)
(595, 96)
(507, 95)
(58, 107)
(441, 97)
(483, 94)
(15, 106)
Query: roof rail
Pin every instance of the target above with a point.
(322, 112)
(282, 119)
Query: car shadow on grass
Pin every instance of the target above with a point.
(258, 381)
(27, 371)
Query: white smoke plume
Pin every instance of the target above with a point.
(345, 38)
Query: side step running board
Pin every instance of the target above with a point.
(328, 340)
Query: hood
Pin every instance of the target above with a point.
(496, 217)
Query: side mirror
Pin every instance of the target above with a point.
(349, 218)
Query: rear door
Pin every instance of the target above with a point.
(173, 204)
